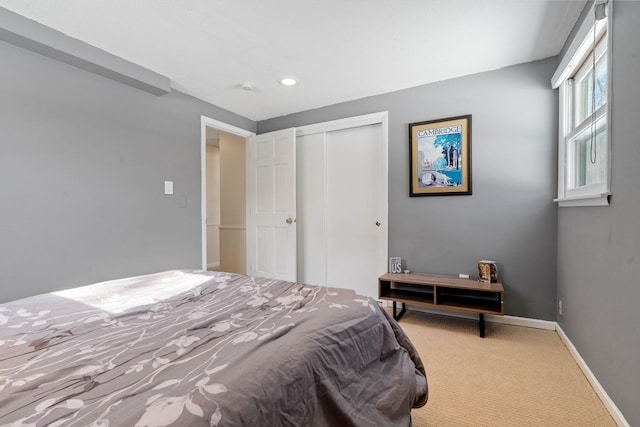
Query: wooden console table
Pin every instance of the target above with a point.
(447, 292)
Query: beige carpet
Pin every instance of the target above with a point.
(515, 376)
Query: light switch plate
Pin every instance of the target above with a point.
(168, 187)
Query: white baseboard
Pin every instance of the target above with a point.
(509, 320)
(602, 394)
(522, 321)
(551, 326)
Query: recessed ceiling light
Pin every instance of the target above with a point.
(288, 81)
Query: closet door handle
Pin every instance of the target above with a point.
(289, 221)
(378, 223)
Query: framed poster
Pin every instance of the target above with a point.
(440, 157)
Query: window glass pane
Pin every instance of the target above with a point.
(586, 97)
(589, 157)
(601, 82)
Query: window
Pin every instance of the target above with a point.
(583, 79)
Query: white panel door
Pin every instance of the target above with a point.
(356, 208)
(271, 205)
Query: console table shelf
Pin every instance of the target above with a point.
(447, 292)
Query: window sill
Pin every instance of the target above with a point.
(601, 199)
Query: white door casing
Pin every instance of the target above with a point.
(271, 205)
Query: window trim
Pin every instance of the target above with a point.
(571, 62)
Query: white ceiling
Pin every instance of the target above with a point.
(339, 50)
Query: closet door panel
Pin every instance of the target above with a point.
(310, 197)
(356, 245)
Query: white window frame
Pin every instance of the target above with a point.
(581, 46)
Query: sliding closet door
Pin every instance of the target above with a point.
(311, 209)
(356, 208)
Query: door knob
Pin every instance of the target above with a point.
(289, 221)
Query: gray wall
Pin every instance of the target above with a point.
(82, 165)
(599, 247)
(510, 217)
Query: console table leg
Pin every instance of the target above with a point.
(481, 325)
(399, 315)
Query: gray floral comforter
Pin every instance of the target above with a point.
(191, 348)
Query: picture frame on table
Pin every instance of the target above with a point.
(395, 265)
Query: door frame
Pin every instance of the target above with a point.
(206, 122)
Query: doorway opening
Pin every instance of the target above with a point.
(223, 201)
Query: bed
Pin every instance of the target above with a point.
(191, 348)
